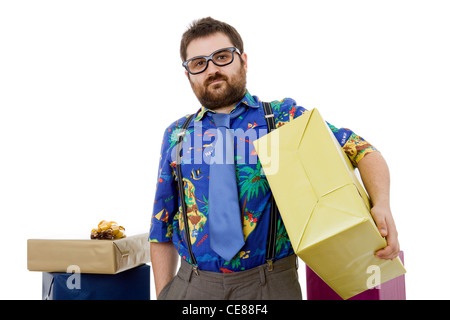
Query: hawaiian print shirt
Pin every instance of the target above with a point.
(254, 191)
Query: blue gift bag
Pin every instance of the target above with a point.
(132, 284)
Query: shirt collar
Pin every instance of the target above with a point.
(248, 100)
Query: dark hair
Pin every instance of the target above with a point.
(205, 27)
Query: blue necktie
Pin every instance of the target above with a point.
(225, 223)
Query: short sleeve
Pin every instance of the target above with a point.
(166, 195)
(353, 145)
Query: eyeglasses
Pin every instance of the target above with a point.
(221, 57)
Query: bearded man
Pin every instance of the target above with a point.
(223, 241)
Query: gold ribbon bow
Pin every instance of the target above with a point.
(108, 230)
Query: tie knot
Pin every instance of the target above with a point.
(221, 120)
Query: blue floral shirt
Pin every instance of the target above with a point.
(254, 191)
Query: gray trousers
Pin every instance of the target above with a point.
(258, 283)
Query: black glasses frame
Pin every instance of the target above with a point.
(210, 58)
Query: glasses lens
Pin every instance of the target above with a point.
(223, 57)
(197, 65)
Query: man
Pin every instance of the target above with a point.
(216, 66)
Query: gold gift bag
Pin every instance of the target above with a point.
(325, 209)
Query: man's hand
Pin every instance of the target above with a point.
(386, 226)
(375, 175)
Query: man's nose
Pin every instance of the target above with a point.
(212, 68)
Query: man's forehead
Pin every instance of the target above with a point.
(206, 45)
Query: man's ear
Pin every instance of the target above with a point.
(244, 60)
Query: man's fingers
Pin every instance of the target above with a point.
(380, 215)
(381, 224)
(391, 251)
(386, 227)
(387, 253)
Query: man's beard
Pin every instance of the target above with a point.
(224, 94)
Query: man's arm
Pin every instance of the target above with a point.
(164, 259)
(375, 176)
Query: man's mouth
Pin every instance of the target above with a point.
(215, 80)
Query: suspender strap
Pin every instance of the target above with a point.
(270, 118)
(272, 232)
(179, 146)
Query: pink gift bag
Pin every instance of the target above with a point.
(317, 289)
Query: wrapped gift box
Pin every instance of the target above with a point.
(323, 205)
(89, 256)
(133, 284)
(317, 289)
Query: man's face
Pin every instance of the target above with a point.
(217, 87)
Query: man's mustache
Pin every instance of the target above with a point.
(215, 77)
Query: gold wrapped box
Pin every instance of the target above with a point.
(88, 256)
(325, 209)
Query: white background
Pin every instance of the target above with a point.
(87, 88)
